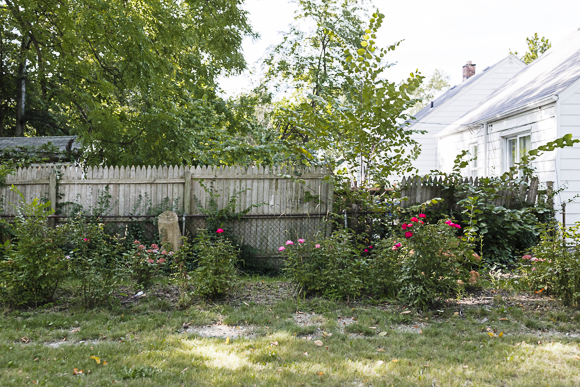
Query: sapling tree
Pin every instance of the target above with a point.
(356, 123)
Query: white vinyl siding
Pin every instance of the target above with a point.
(454, 108)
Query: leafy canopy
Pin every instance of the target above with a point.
(536, 47)
(342, 112)
(136, 80)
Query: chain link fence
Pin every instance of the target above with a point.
(257, 236)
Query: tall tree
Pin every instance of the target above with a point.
(536, 47)
(343, 113)
(136, 80)
(438, 82)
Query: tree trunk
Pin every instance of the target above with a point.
(21, 89)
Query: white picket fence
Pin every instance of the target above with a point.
(279, 190)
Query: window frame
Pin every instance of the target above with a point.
(517, 138)
(473, 167)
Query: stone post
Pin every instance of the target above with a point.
(169, 229)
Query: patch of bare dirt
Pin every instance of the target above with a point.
(222, 331)
(262, 293)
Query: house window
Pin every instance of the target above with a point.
(473, 160)
(517, 147)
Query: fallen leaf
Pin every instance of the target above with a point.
(76, 371)
(383, 334)
(465, 366)
(96, 359)
(186, 368)
(416, 326)
(372, 327)
(395, 361)
(456, 314)
(305, 353)
(577, 357)
(74, 330)
(500, 334)
(319, 343)
(504, 319)
(320, 373)
(227, 340)
(380, 350)
(379, 362)
(25, 340)
(274, 342)
(406, 312)
(105, 363)
(245, 303)
(490, 334)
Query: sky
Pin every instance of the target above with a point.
(437, 34)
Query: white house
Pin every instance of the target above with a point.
(455, 102)
(539, 104)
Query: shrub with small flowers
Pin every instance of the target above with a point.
(331, 267)
(144, 262)
(93, 261)
(432, 262)
(553, 265)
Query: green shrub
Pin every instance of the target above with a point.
(215, 274)
(553, 265)
(434, 263)
(331, 267)
(31, 271)
(382, 269)
(94, 261)
(145, 262)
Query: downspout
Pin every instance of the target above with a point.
(485, 148)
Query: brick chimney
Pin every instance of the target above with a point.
(468, 70)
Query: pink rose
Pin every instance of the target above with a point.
(408, 234)
(301, 241)
(422, 216)
(289, 243)
(404, 226)
(136, 242)
(219, 230)
(317, 245)
(370, 247)
(150, 260)
(409, 225)
(164, 252)
(281, 248)
(421, 222)
(413, 219)
(457, 226)
(154, 246)
(366, 251)
(448, 222)
(533, 269)
(161, 260)
(141, 247)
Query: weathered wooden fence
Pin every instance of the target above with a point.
(419, 190)
(291, 200)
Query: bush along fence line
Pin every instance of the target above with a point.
(419, 190)
(262, 206)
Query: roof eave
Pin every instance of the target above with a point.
(502, 115)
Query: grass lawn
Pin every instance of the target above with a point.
(262, 336)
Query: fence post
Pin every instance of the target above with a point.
(187, 193)
(550, 194)
(52, 190)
